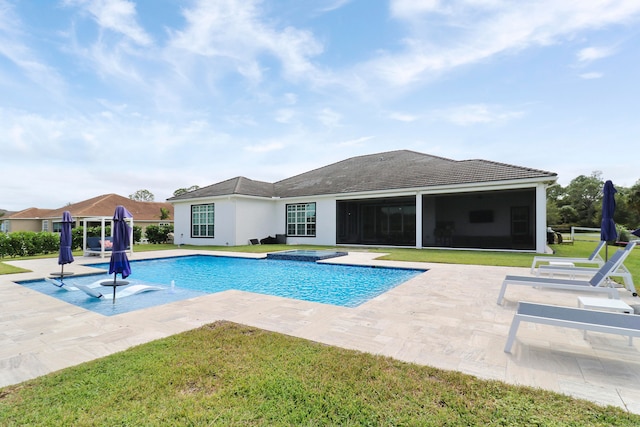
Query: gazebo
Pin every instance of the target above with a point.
(103, 220)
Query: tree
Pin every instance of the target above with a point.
(142, 196)
(584, 193)
(181, 191)
(164, 213)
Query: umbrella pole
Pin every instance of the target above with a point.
(115, 275)
(62, 273)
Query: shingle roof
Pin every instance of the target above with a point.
(29, 213)
(103, 205)
(237, 185)
(392, 170)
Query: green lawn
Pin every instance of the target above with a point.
(226, 374)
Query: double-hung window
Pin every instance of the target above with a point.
(301, 219)
(202, 220)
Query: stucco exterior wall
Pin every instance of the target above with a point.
(255, 219)
(237, 219)
(325, 221)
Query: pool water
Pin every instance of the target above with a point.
(341, 285)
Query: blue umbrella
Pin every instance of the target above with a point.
(119, 263)
(65, 256)
(608, 227)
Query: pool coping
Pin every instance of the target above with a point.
(446, 318)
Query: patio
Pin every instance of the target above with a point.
(445, 318)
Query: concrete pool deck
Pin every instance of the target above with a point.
(447, 318)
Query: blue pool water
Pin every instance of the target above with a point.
(193, 276)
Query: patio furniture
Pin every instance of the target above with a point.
(576, 318)
(596, 284)
(594, 258)
(621, 271)
(95, 245)
(132, 290)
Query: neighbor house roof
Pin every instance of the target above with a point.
(99, 206)
(391, 170)
(29, 213)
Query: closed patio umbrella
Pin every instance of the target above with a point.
(65, 256)
(119, 263)
(608, 227)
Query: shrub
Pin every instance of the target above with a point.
(45, 242)
(21, 243)
(76, 238)
(158, 234)
(5, 246)
(137, 233)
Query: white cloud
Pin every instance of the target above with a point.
(591, 76)
(265, 147)
(590, 54)
(118, 16)
(466, 32)
(285, 115)
(14, 45)
(235, 34)
(329, 118)
(403, 117)
(408, 9)
(334, 5)
(358, 142)
(473, 114)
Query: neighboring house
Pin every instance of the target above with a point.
(34, 219)
(3, 223)
(397, 198)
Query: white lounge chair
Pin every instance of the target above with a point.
(576, 318)
(130, 290)
(595, 284)
(594, 258)
(621, 271)
(66, 287)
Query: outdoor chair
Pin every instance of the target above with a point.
(576, 318)
(594, 258)
(598, 283)
(130, 290)
(621, 272)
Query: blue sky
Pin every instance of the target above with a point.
(113, 96)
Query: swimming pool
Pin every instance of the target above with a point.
(196, 275)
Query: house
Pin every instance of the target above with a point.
(397, 198)
(91, 210)
(3, 223)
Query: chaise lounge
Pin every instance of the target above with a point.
(594, 258)
(130, 290)
(596, 284)
(620, 272)
(576, 318)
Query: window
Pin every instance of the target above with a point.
(301, 219)
(202, 220)
(45, 225)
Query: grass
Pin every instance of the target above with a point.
(227, 374)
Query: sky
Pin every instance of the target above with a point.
(115, 96)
